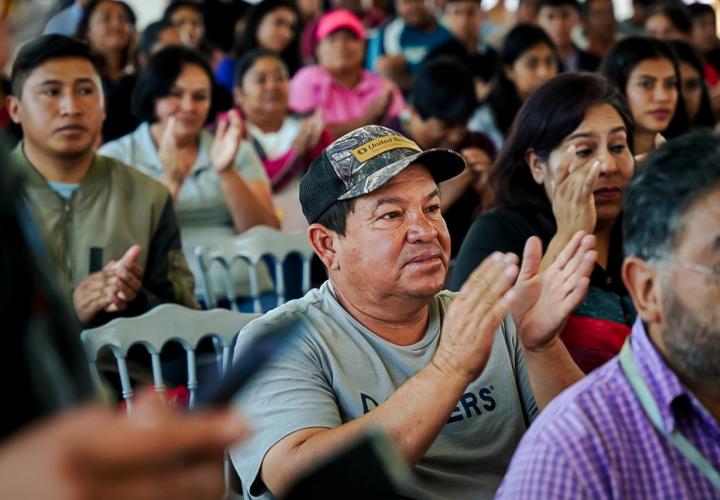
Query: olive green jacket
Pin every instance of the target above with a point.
(113, 208)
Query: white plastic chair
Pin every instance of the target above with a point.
(249, 248)
(168, 323)
(163, 324)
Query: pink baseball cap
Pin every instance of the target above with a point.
(340, 19)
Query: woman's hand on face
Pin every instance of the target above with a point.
(227, 141)
(571, 193)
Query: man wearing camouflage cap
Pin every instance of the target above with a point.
(380, 344)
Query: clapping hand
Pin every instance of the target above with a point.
(93, 452)
(228, 137)
(111, 289)
(474, 316)
(545, 299)
(378, 107)
(311, 129)
(168, 153)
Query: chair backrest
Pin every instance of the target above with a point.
(165, 323)
(250, 248)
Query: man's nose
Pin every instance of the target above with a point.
(69, 103)
(421, 228)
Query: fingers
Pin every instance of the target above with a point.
(577, 265)
(236, 125)
(167, 139)
(221, 129)
(569, 251)
(563, 169)
(588, 184)
(201, 479)
(532, 258)
(490, 288)
(659, 140)
(161, 440)
(130, 256)
(127, 285)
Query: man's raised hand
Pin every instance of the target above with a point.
(474, 316)
(545, 299)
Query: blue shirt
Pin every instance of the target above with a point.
(66, 21)
(413, 44)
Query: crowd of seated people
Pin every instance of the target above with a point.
(517, 216)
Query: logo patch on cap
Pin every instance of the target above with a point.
(378, 146)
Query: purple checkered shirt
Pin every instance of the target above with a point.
(595, 441)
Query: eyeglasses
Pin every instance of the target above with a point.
(711, 271)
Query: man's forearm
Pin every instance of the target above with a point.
(551, 371)
(410, 422)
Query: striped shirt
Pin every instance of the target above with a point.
(595, 441)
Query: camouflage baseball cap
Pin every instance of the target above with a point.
(364, 160)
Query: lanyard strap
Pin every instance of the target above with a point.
(648, 403)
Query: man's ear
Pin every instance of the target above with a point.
(12, 104)
(323, 241)
(538, 168)
(643, 282)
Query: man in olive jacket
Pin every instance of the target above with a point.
(111, 231)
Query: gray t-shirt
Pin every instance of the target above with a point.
(337, 370)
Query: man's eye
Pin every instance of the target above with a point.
(433, 209)
(86, 91)
(391, 215)
(618, 148)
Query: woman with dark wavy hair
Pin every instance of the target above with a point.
(562, 170)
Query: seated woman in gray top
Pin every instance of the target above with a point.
(218, 183)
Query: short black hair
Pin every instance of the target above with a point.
(696, 10)
(558, 3)
(248, 60)
(159, 76)
(631, 51)
(674, 177)
(45, 48)
(585, 8)
(335, 217)
(444, 88)
(549, 115)
(151, 34)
